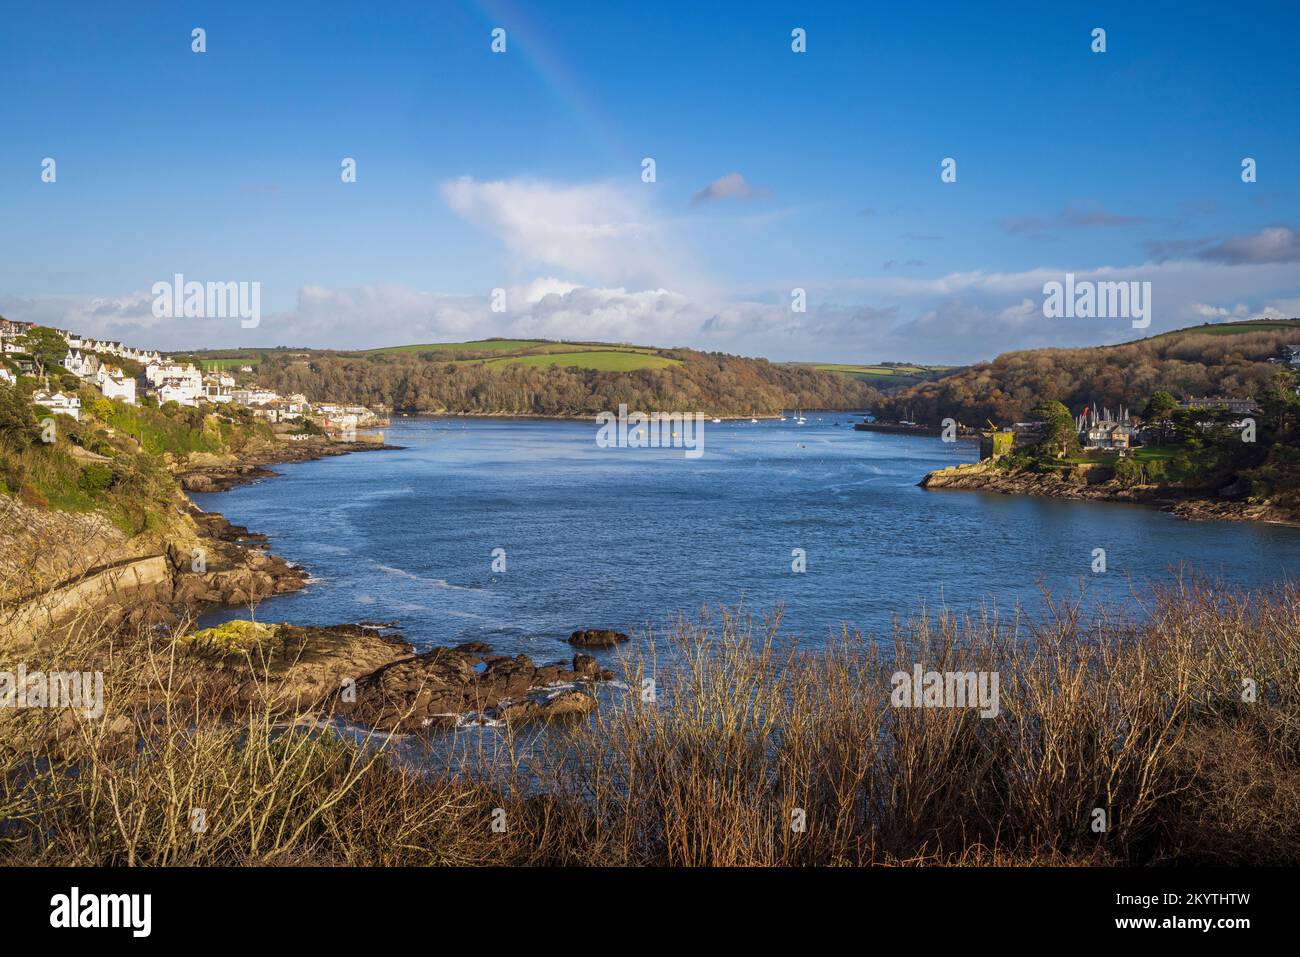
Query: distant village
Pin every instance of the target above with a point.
(164, 380)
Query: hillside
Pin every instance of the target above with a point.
(596, 356)
(79, 499)
(885, 376)
(1226, 359)
(541, 377)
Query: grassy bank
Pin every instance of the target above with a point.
(1181, 730)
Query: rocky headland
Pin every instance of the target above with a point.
(1097, 483)
(220, 473)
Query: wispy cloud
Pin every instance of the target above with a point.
(1084, 216)
(1273, 244)
(1163, 249)
(731, 186)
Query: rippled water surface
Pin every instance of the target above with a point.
(625, 538)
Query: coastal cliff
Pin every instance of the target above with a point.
(62, 566)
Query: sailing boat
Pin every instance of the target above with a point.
(799, 419)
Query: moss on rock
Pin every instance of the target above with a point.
(236, 637)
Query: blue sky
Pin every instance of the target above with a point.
(522, 170)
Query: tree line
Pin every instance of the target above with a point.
(711, 383)
(1008, 388)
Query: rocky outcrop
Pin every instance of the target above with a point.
(287, 668)
(1084, 482)
(596, 638)
(222, 473)
(222, 479)
(230, 566)
(447, 686)
(1087, 483)
(112, 592)
(1276, 513)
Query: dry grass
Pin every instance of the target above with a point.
(1147, 723)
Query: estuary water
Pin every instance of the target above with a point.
(630, 538)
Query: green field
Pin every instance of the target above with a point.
(482, 345)
(1167, 462)
(1236, 328)
(599, 356)
(597, 359)
(894, 374)
(207, 365)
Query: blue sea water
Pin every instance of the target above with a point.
(630, 538)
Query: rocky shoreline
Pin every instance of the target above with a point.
(449, 687)
(362, 672)
(236, 567)
(365, 672)
(373, 678)
(1092, 484)
(222, 473)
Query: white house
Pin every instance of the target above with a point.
(215, 390)
(58, 402)
(172, 391)
(7, 376)
(115, 385)
(83, 365)
(157, 371)
(171, 382)
(255, 396)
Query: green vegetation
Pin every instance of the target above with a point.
(231, 638)
(18, 424)
(541, 353)
(1059, 435)
(115, 460)
(179, 431)
(47, 347)
(133, 489)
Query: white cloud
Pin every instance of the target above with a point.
(959, 317)
(601, 233)
(1206, 311)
